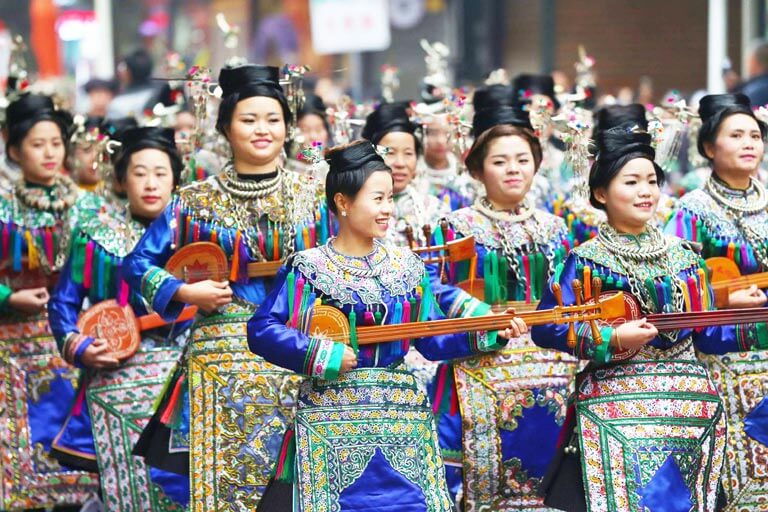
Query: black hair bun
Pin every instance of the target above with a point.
(525, 84)
(355, 156)
(148, 136)
(313, 105)
(711, 104)
(114, 128)
(388, 117)
(30, 108)
(487, 118)
(492, 96)
(232, 79)
(617, 115)
(616, 142)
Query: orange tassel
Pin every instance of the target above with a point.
(235, 258)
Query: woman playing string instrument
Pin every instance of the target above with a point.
(650, 430)
(256, 212)
(729, 217)
(147, 169)
(391, 459)
(518, 246)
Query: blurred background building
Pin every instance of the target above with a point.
(682, 44)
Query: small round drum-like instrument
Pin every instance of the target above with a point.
(114, 323)
(199, 261)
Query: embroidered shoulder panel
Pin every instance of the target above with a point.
(678, 258)
(298, 199)
(111, 231)
(13, 213)
(717, 220)
(398, 271)
(542, 228)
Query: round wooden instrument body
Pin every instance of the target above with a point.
(632, 311)
(114, 323)
(722, 269)
(329, 323)
(199, 261)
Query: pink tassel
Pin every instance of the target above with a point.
(6, 240)
(48, 237)
(297, 302)
(88, 269)
(77, 409)
(406, 318)
(122, 294)
(440, 389)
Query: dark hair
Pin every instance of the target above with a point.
(28, 110)
(525, 85)
(389, 118)
(314, 105)
(138, 139)
(479, 149)
(714, 109)
(139, 63)
(242, 82)
(616, 147)
(350, 166)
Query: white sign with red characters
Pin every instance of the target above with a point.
(344, 26)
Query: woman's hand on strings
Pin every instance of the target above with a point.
(349, 360)
(752, 297)
(31, 300)
(517, 326)
(207, 295)
(99, 355)
(634, 334)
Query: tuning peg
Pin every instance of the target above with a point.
(597, 288)
(577, 288)
(596, 336)
(443, 271)
(409, 236)
(427, 229)
(557, 291)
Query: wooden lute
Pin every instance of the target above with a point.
(332, 324)
(662, 321)
(726, 277)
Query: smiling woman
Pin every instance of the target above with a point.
(729, 217)
(256, 211)
(391, 459)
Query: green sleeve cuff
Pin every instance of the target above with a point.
(325, 359)
(762, 335)
(603, 351)
(5, 294)
(484, 341)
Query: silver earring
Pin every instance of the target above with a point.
(343, 214)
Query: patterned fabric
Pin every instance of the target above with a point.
(511, 402)
(633, 417)
(336, 453)
(120, 403)
(325, 270)
(742, 381)
(34, 383)
(241, 407)
(448, 185)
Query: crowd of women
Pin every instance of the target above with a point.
(491, 299)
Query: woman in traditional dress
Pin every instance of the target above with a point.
(255, 211)
(439, 172)
(37, 217)
(389, 461)
(649, 425)
(119, 393)
(729, 217)
(519, 392)
(390, 126)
